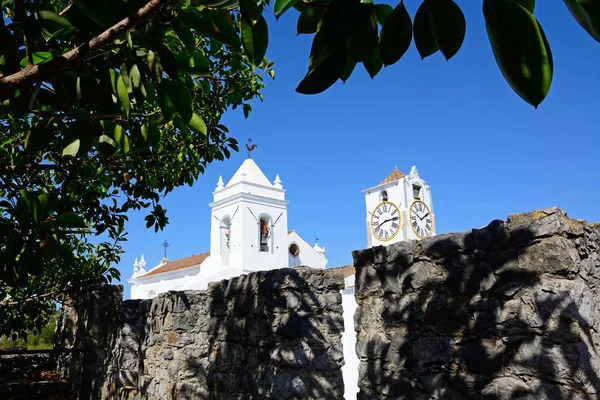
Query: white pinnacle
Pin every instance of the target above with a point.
(220, 184)
(277, 182)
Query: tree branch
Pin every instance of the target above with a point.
(20, 11)
(37, 73)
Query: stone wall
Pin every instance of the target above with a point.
(274, 334)
(510, 311)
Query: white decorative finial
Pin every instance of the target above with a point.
(136, 266)
(142, 263)
(413, 171)
(220, 184)
(277, 182)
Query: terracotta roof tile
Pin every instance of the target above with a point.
(182, 263)
(396, 175)
(345, 270)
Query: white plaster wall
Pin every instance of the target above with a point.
(350, 367)
(176, 280)
(308, 255)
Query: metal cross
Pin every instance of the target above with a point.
(165, 244)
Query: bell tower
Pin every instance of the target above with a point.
(249, 221)
(399, 208)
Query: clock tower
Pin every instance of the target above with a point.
(399, 208)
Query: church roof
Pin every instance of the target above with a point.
(396, 175)
(249, 172)
(345, 271)
(175, 265)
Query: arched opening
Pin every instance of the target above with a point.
(294, 250)
(225, 240)
(265, 233)
(151, 294)
(383, 196)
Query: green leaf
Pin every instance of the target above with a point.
(195, 64)
(153, 134)
(348, 69)
(251, 12)
(448, 26)
(520, 48)
(121, 138)
(179, 96)
(255, 39)
(50, 16)
(423, 32)
(587, 14)
(282, 6)
(198, 124)
(362, 42)
(135, 77)
(325, 74)
(382, 12)
(39, 136)
(39, 57)
(123, 94)
(396, 35)
(185, 35)
(309, 19)
(212, 24)
(373, 63)
(69, 219)
(72, 148)
(97, 11)
(529, 5)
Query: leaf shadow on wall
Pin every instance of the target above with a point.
(509, 318)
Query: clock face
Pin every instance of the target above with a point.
(421, 220)
(386, 221)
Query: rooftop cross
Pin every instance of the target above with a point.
(165, 244)
(250, 147)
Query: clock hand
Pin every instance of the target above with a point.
(388, 220)
(423, 216)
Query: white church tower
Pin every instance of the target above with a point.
(249, 224)
(399, 208)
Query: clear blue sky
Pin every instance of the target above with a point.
(484, 151)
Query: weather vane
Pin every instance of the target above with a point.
(250, 147)
(165, 244)
(317, 240)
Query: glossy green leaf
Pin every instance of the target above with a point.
(213, 25)
(185, 35)
(47, 15)
(153, 134)
(396, 35)
(39, 136)
(196, 63)
(251, 12)
(135, 76)
(373, 63)
(309, 19)
(69, 219)
(448, 26)
(198, 124)
(255, 39)
(348, 69)
(423, 32)
(123, 94)
(325, 74)
(362, 42)
(39, 57)
(382, 12)
(282, 6)
(520, 48)
(121, 139)
(72, 148)
(529, 5)
(587, 14)
(179, 96)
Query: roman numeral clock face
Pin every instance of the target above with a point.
(386, 221)
(421, 220)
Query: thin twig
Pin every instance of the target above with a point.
(20, 11)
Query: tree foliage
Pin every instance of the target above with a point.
(108, 105)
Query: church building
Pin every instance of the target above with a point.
(249, 232)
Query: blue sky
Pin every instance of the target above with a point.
(484, 151)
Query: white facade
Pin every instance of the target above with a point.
(401, 190)
(249, 232)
